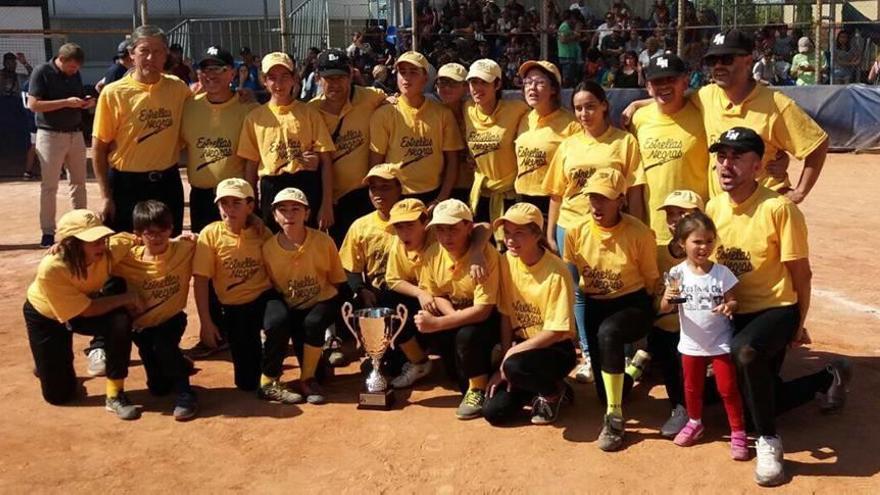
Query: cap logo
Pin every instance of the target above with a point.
(332, 57)
(663, 62)
(718, 39)
(90, 217)
(213, 51)
(734, 135)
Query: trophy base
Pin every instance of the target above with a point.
(380, 401)
(676, 300)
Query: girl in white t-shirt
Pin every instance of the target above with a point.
(702, 291)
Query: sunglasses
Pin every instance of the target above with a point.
(214, 69)
(728, 59)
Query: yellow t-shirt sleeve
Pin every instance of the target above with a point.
(634, 173)
(336, 274)
(392, 271)
(792, 228)
(648, 261)
(66, 301)
(248, 147)
(555, 181)
(380, 133)
(487, 292)
(796, 132)
(205, 257)
(351, 253)
(559, 301)
(452, 140)
(569, 249)
(119, 246)
(106, 119)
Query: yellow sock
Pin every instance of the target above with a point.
(311, 356)
(478, 382)
(613, 392)
(114, 387)
(413, 351)
(266, 380)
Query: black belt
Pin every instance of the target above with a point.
(151, 176)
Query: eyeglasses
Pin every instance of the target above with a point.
(712, 60)
(536, 82)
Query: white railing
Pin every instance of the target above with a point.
(260, 34)
(309, 25)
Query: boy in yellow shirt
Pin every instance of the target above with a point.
(304, 266)
(159, 270)
(462, 309)
(229, 255)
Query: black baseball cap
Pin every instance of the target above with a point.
(122, 49)
(741, 139)
(216, 55)
(333, 62)
(730, 42)
(666, 65)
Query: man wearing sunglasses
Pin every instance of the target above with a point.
(735, 99)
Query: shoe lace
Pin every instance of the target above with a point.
(541, 407)
(473, 398)
(97, 354)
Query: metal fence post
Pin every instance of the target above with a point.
(142, 9)
(680, 29)
(282, 23)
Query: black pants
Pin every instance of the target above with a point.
(461, 194)
(610, 325)
(483, 214)
(663, 347)
(130, 188)
(425, 197)
(241, 323)
(349, 208)
(202, 209)
(164, 364)
(758, 349)
(308, 181)
(304, 326)
(52, 348)
(467, 351)
(531, 373)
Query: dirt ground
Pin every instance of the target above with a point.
(239, 443)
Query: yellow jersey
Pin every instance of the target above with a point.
(233, 262)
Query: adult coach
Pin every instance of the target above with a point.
(346, 109)
(419, 134)
(57, 97)
(210, 130)
(672, 141)
(763, 240)
(136, 131)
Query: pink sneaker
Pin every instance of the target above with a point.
(689, 434)
(739, 448)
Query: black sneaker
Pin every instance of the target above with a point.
(611, 437)
(122, 406)
(313, 392)
(203, 351)
(277, 392)
(185, 407)
(545, 409)
(835, 396)
(47, 240)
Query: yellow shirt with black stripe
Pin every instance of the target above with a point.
(537, 140)
(674, 155)
(415, 139)
(162, 283)
(614, 261)
(665, 261)
(405, 265)
(210, 132)
(365, 248)
(448, 277)
(577, 158)
(351, 138)
(142, 121)
(277, 136)
(774, 116)
(490, 141)
(233, 262)
(536, 298)
(755, 239)
(59, 295)
(307, 275)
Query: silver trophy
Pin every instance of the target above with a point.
(373, 329)
(672, 279)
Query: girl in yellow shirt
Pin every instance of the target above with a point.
(304, 266)
(540, 131)
(615, 254)
(490, 128)
(452, 90)
(598, 146)
(537, 326)
(70, 295)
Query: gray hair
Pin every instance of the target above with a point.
(147, 31)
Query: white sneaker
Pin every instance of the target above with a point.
(769, 468)
(675, 423)
(97, 362)
(410, 374)
(584, 373)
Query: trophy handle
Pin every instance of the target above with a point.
(348, 318)
(402, 315)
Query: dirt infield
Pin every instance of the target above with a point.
(238, 443)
